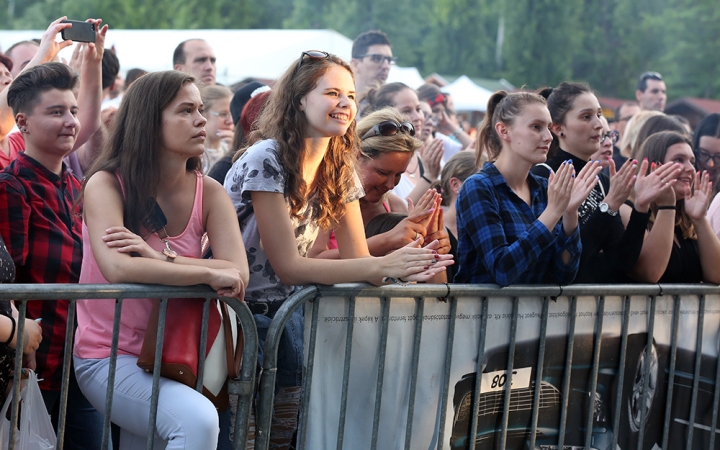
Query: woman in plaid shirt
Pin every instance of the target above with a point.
(515, 227)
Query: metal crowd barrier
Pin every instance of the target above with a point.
(242, 387)
(605, 367)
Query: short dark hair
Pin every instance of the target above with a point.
(110, 68)
(365, 40)
(616, 113)
(24, 93)
(132, 75)
(179, 53)
(641, 84)
(7, 62)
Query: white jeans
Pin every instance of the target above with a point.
(185, 418)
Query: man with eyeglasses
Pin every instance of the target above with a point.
(651, 92)
(371, 60)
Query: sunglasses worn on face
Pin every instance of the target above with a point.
(378, 59)
(312, 54)
(390, 128)
(612, 135)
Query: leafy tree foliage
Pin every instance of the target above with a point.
(529, 42)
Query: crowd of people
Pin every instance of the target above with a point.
(329, 176)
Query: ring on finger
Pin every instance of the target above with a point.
(433, 261)
(417, 235)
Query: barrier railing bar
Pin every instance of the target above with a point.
(646, 371)
(382, 351)
(696, 375)
(491, 290)
(671, 373)
(17, 381)
(269, 369)
(478, 371)
(446, 375)
(67, 367)
(244, 386)
(107, 424)
(203, 342)
(621, 368)
(309, 368)
(507, 389)
(716, 397)
(572, 300)
(539, 370)
(419, 312)
(156, 373)
(597, 345)
(346, 371)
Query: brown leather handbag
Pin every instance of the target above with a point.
(181, 344)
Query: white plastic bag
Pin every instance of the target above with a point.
(36, 430)
(5, 424)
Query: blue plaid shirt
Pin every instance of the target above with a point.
(500, 239)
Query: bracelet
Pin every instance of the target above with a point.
(456, 132)
(426, 179)
(399, 281)
(12, 332)
(667, 207)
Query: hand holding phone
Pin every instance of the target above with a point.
(79, 32)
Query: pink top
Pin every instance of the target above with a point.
(95, 317)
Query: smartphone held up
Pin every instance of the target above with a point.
(79, 32)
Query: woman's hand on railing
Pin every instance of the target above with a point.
(227, 283)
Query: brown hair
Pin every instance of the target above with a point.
(381, 97)
(133, 148)
(461, 165)
(560, 101)
(502, 107)
(282, 120)
(655, 149)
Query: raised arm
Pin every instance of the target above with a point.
(90, 94)
(696, 205)
(46, 53)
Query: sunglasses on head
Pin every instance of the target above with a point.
(390, 128)
(311, 54)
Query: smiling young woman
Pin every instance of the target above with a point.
(297, 177)
(680, 245)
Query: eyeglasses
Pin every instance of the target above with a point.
(222, 115)
(705, 156)
(312, 54)
(378, 59)
(390, 128)
(613, 135)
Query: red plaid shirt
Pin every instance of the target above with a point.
(44, 238)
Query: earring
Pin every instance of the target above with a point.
(562, 134)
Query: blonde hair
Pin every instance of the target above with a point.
(372, 146)
(629, 145)
(211, 94)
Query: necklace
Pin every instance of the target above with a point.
(411, 172)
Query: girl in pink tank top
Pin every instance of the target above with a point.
(153, 158)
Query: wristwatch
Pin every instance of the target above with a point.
(169, 253)
(605, 208)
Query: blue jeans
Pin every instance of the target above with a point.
(290, 350)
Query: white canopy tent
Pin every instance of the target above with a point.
(467, 96)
